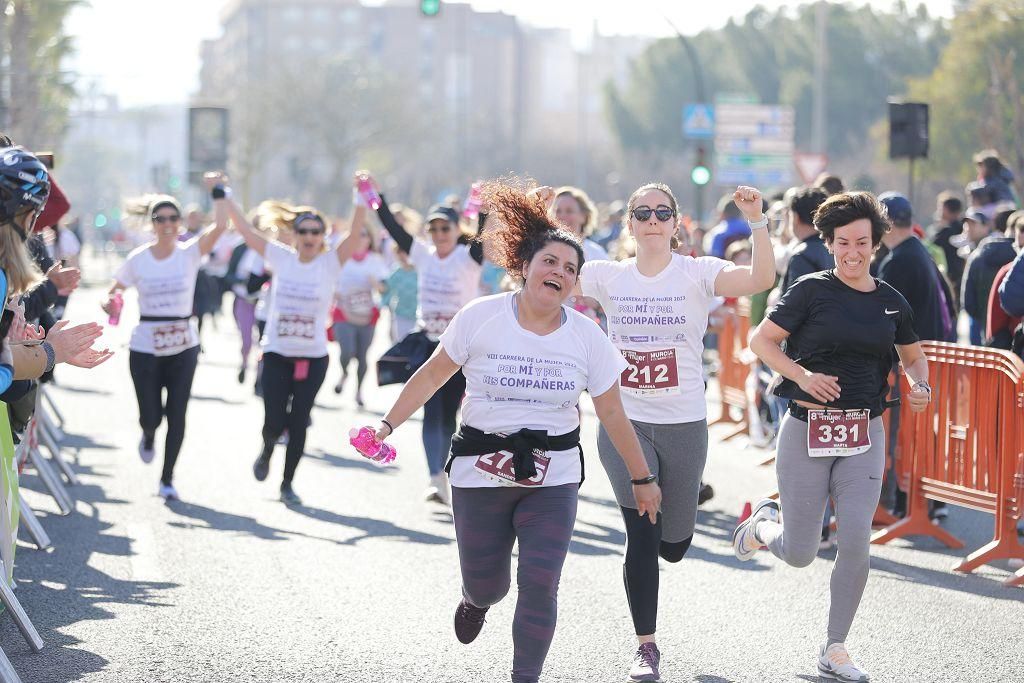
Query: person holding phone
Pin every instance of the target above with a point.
(295, 341)
(516, 461)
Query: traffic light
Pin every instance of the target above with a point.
(701, 174)
(430, 8)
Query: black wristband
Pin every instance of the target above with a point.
(391, 430)
(218, 192)
(650, 479)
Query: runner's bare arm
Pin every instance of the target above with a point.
(747, 280)
(356, 225)
(613, 418)
(253, 239)
(420, 387)
(767, 344)
(915, 364)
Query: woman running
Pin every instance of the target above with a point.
(840, 327)
(574, 208)
(164, 346)
(448, 273)
(356, 305)
(657, 306)
(516, 463)
(295, 344)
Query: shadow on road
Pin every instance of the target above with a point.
(371, 528)
(59, 588)
(356, 463)
(217, 399)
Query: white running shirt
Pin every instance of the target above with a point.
(658, 323)
(516, 379)
(445, 285)
(299, 302)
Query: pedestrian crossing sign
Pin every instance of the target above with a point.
(699, 121)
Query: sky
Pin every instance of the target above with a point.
(147, 51)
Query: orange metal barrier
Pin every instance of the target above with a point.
(966, 449)
(732, 371)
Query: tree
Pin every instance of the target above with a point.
(33, 45)
(975, 91)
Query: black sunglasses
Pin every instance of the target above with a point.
(309, 231)
(662, 212)
(160, 220)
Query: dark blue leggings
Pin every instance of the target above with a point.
(640, 569)
(439, 421)
(488, 521)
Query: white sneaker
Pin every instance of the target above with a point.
(438, 491)
(168, 492)
(835, 663)
(744, 543)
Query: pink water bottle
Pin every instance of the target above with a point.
(471, 209)
(116, 304)
(365, 441)
(367, 192)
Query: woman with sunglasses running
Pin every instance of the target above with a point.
(295, 344)
(164, 346)
(448, 273)
(841, 328)
(516, 463)
(657, 306)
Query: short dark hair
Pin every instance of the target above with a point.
(846, 207)
(832, 184)
(1001, 220)
(950, 202)
(806, 201)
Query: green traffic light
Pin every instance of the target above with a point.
(700, 175)
(430, 8)
(100, 221)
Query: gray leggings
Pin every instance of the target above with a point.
(805, 484)
(355, 343)
(487, 523)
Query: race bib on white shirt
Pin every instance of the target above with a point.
(170, 338)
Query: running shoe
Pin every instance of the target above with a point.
(469, 619)
(146, 450)
(835, 663)
(645, 663)
(261, 467)
(241, 375)
(826, 542)
(744, 543)
(341, 383)
(706, 493)
(437, 491)
(168, 492)
(359, 398)
(288, 495)
(283, 439)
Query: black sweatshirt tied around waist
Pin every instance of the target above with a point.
(471, 441)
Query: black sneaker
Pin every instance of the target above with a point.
(469, 619)
(261, 467)
(288, 496)
(241, 375)
(706, 493)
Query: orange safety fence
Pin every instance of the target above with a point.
(966, 449)
(733, 371)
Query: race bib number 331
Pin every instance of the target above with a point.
(651, 373)
(835, 433)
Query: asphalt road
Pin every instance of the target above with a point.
(361, 582)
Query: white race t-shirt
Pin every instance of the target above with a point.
(516, 379)
(357, 287)
(592, 251)
(658, 323)
(299, 302)
(445, 285)
(166, 288)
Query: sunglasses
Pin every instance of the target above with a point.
(309, 231)
(439, 228)
(160, 220)
(643, 213)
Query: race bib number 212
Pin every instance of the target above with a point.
(650, 373)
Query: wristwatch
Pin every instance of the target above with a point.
(921, 385)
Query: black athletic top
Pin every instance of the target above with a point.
(835, 329)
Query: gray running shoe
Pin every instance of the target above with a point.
(261, 467)
(645, 663)
(288, 496)
(835, 663)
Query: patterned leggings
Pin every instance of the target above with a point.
(487, 523)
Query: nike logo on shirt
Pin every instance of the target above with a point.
(888, 312)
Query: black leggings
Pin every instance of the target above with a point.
(151, 375)
(440, 414)
(640, 570)
(279, 388)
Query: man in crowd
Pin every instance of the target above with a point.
(994, 250)
(946, 233)
(809, 255)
